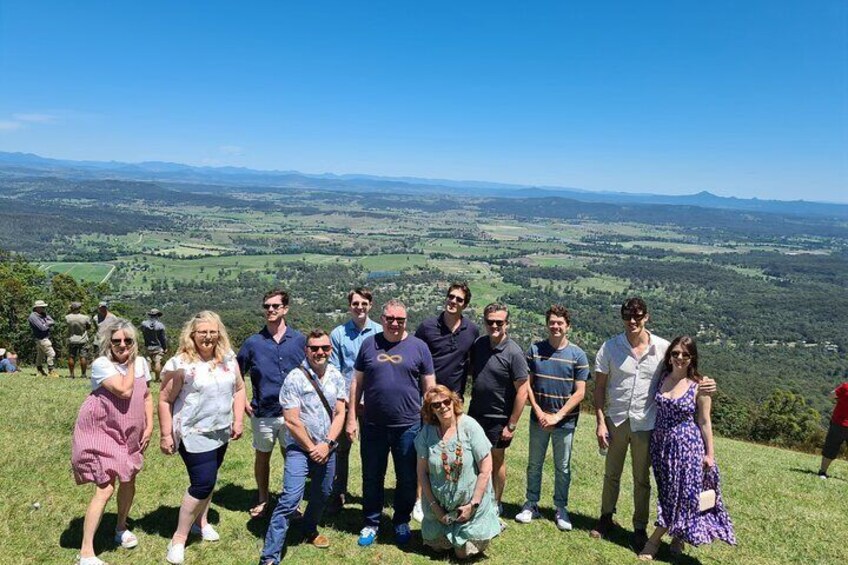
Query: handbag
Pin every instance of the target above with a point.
(707, 498)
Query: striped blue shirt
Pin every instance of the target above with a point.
(555, 372)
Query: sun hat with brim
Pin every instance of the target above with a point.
(154, 312)
(103, 304)
(76, 305)
(39, 304)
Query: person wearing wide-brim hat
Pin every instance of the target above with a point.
(40, 323)
(155, 341)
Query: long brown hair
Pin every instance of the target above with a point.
(689, 345)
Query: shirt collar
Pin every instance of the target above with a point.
(463, 322)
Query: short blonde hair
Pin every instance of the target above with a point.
(187, 347)
(431, 395)
(106, 332)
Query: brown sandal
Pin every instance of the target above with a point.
(649, 551)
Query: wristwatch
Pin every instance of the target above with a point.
(475, 505)
(511, 427)
(332, 444)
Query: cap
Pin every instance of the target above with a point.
(76, 305)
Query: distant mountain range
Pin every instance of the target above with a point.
(221, 179)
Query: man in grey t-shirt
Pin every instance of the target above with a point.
(78, 325)
(155, 341)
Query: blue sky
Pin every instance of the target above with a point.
(743, 98)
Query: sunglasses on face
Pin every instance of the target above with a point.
(125, 341)
(681, 355)
(436, 404)
(267, 306)
(455, 298)
(496, 323)
(394, 319)
(630, 315)
(317, 348)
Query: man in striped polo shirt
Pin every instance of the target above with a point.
(558, 374)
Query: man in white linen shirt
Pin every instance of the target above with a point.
(627, 372)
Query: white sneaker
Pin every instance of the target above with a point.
(563, 520)
(207, 532)
(176, 553)
(90, 561)
(126, 539)
(528, 512)
(418, 511)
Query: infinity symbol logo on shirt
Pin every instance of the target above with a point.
(394, 359)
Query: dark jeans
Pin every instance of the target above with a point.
(342, 465)
(203, 470)
(377, 442)
(298, 468)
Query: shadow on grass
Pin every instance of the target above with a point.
(815, 474)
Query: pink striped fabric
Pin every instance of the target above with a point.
(107, 436)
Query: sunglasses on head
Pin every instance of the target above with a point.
(628, 315)
(394, 319)
(317, 348)
(267, 306)
(439, 403)
(125, 341)
(496, 323)
(456, 298)
(681, 355)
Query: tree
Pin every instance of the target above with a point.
(785, 418)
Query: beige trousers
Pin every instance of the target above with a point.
(44, 351)
(620, 439)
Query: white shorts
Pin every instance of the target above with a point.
(266, 433)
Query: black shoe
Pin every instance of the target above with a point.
(336, 503)
(41, 371)
(603, 527)
(639, 539)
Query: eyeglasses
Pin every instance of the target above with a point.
(456, 298)
(394, 320)
(628, 315)
(272, 306)
(359, 304)
(125, 341)
(207, 333)
(317, 348)
(446, 402)
(496, 323)
(681, 355)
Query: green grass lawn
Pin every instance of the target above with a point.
(83, 272)
(782, 512)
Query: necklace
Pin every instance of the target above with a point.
(453, 469)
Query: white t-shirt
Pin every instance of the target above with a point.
(103, 368)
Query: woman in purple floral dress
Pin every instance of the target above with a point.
(683, 458)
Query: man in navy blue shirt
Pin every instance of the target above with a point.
(392, 371)
(267, 357)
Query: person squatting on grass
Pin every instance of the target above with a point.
(683, 457)
(313, 398)
(455, 474)
(112, 431)
(201, 408)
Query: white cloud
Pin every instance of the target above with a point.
(34, 118)
(231, 150)
(10, 125)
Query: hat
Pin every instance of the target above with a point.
(76, 305)
(154, 312)
(103, 304)
(39, 304)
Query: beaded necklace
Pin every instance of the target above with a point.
(452, 470)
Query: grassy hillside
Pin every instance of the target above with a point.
(782, 512)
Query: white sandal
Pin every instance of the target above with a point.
(126, 539)
(90, 561)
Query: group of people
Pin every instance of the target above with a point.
(401, 393)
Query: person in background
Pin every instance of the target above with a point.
(346, 340)
(627, 371)
(267, 357)
(313, 399)
(499, 392)
(558, 374)
(392, 371)
(683, 457)
(103, 317)
(8, 361)
(78, 325)
(201, 408)
(837, 432)
(455, 472)
(449, 336)
(112, 432)
(155, 341)
(41, 323)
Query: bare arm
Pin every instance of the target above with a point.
(704, 404)
(521, 388)
(355, 398)
(172, 384)
(239, 402)
(427, 382)
(600, 399)
(148, 417)
(427, 492)
(121, 385)
(297, 429)
(573, 402)
(338, 423)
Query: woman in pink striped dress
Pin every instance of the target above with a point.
(112, 431)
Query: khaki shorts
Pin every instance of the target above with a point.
(156, 356)
(266, 433)
(78, 351)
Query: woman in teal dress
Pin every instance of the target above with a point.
(455, 474)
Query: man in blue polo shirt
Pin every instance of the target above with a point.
(346, 340)
(267, 357)
(392, 371)
(558, 374)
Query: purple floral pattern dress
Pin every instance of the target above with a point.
(677, 455)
